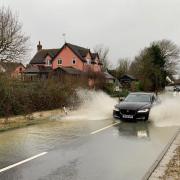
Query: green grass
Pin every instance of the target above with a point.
(15, 125)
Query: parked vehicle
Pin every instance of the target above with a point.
(177, 88)
(136, 106)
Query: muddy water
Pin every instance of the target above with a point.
(123, 148)
(124, 151)
(18, 144)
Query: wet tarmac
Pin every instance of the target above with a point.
(121, 152)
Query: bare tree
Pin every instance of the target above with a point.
(103, 55)
(13, 43)
(171, 54)
(123, 66)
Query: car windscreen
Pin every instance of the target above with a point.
(138, 98)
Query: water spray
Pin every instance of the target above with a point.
(94, 105)
(65, 110)
(167, 113)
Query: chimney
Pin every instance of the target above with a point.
(39, 46)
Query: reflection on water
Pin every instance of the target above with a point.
(19, 144)
(75, 154)
(139, 129)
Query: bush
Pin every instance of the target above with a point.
(123, 93)
(21, 98)
(136, 86)
(109, 89)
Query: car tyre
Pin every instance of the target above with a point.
(146, 117)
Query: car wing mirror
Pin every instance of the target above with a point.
(121, 99)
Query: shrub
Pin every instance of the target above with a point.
(123, 93)
(21, 98)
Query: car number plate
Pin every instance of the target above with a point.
(128, 116)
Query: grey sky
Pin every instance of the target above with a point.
(125, 26)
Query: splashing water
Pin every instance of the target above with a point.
(168, 112)
(96, 105)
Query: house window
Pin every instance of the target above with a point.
(74, 61)
(48, 62)
(59, 61)
(88, 61)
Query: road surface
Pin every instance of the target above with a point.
(81, 150)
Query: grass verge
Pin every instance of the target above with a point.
(20, 124)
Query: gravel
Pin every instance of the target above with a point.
(173, 167)
(169, 166)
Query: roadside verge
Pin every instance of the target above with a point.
(158, 169)
(27, 120)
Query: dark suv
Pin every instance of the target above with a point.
(136, 106)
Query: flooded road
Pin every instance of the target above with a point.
(123, 151)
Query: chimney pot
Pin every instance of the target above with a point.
(39, 46)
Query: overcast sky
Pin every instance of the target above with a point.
(125, 26)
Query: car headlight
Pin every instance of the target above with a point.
(116, 109)
(143, 110)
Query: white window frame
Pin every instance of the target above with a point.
(58, 62)
(48, 62)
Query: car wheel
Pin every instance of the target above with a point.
(146, 117)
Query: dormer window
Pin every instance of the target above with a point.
(59, 61)
(74, 61)
(48, 62)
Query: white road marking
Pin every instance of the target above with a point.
(22, 162)
(99, 130)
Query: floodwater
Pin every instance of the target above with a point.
(125, 151)
(122, 152)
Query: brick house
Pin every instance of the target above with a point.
(69, 60)
(68, 56)
(12, 69)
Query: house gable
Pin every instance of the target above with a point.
(79, 51)
(48, 60)
(96, 62)
(88, 65)
(127, 79)
(67, 58)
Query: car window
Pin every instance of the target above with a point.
(138, 98)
